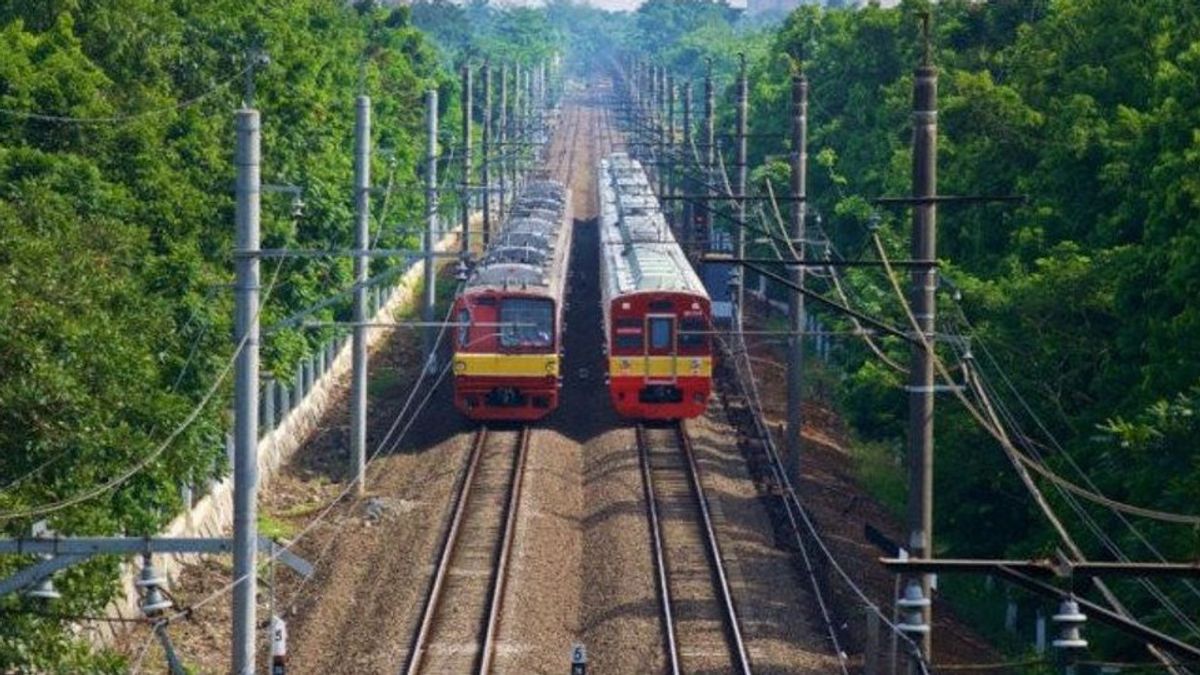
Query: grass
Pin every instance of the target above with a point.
(272, 528)
(878, 465)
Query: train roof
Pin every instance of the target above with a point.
(527, 251)
(639, 251)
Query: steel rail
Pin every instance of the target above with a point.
(656, 539)
(737, 643)
(500, 576)
(433, 600)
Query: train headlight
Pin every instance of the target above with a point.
(460, 367)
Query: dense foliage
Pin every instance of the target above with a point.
(116, 232)
(1084, 297)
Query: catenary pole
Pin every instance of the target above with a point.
(710, 140)
(739, 235)
(923, 298)
(466, 164)
(799, 190)
(487, 153)
(502, 125)
(688, 224)
(245, 394)
(429, 311)
(669, 154)
(362, 241)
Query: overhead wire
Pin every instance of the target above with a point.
(991, 424)
(1088, 521)
(748, 374)
(132, 117)
(120, 479)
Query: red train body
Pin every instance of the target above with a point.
(657, 314)
(508, 334)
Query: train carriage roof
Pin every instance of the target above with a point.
(525, 250)
(639, 252)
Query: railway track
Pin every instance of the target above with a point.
(698, 613)
(461, 616)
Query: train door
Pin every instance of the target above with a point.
(660, 342)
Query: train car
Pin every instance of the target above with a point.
(657, 315)
(508, 318)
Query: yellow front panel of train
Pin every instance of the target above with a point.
(660, 366)
(506, 365)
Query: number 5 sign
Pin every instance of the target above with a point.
(578, 660)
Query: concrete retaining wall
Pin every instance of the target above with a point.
(317, 380)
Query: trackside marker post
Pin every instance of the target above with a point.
(278, 646)
(578, 659)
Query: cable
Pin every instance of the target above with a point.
(1022, 458)
(1058, 446)
(162, 447)
(121, 119)
(991, 425)
(187, 611)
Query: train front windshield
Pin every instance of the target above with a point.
(526, 323)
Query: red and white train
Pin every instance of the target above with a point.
(508, 337)
(657, 314)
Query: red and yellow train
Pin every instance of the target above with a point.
(508, 318)
(657, 314)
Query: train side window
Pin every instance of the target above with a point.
(693, 334)
(464, 328)
(629, 340)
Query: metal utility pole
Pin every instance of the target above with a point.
(517, 123)
(669, 153)
(362, 241)
(428, 315)
(923, 299)
(487, 152)
(466, 163)
(688, 218)
(245, 393)
(739, 236)
(502, 123)
(799, 190)
(660, 113)
(710, 142)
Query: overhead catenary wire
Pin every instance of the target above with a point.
(1088, 521)
(132, 117)
(120, 479)
(1058, 446)
(991, 424)
(348, 488)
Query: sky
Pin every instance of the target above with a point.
(605, 4)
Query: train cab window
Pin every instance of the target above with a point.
(526, 322)
(660, 332)
(464, 327)
(693, 334)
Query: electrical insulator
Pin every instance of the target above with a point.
(1070, 620)
(44, 590)
(913, 605)
(153, 602)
